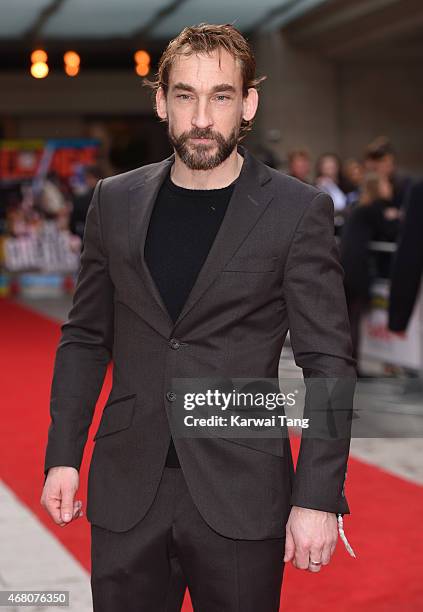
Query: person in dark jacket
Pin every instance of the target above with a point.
(82, 201)
(380, 157)
(408, 263)
(373, 217)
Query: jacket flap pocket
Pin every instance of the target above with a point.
(117, 415)
(273, 446)
(251, 264)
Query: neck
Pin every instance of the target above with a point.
(216, 178)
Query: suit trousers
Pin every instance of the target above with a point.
(149, 567)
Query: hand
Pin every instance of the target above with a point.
(391, 213)
(401, 335)
(310, 535)
(58, 495)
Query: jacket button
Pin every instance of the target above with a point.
(175, 344)
(171, 396)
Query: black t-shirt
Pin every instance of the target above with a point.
(182, 229)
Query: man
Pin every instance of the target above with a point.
(380, 157)
(407, 269)
(299, 164)
(81, 201)
(195, 267)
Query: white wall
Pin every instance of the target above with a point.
(299, 97)
(326, 105)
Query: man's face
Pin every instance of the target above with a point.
(329, 167)
(204, 108)
(386, 165)
(300, 166)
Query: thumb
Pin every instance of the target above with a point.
(66, 508)
(289, 546)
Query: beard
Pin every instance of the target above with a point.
(197, 156)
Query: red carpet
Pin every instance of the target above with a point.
(384, 528)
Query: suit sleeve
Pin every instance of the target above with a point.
(84, 350)
(321, 341)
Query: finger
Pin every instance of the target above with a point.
(77, 513)
(315, 555)
(302, 557)
(74, 518)
(53, 508)
(314, 569)
(66, 509)
(77, 507)
(289, 547)
(326, 554)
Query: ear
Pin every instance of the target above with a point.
(250, 104)
(161, 105)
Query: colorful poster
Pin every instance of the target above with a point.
(25, 159)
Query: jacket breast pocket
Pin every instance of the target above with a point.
(117, 416)
(251, 264)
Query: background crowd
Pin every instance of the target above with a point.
(371, 199)
(42, 221)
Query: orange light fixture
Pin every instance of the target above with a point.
(72, 62)
(142, 57)
(142, 62)
(142, 70)
(71, 58)
(72, 70)
(39, 70)
(39, 55)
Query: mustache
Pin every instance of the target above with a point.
(199, 133)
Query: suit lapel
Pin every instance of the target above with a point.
(142, 197)
(252, 194)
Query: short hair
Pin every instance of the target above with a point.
(378, 148)
(293, 153)
(204, 39)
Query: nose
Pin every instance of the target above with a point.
(202, 117)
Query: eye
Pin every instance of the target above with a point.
(183, 96)
(222, 98)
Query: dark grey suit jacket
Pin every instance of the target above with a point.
(274, 265)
